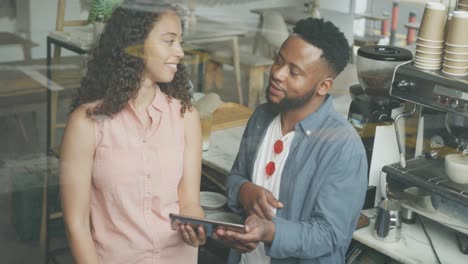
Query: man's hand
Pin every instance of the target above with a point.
(256, 230)
(258, 200)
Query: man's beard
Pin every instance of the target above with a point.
(287, 103)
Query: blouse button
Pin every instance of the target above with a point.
(148, 175)
(148, 194)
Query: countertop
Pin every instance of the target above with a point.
(414, 246)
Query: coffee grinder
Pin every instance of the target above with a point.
(372, 110)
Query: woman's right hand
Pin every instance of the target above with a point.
(258, 200)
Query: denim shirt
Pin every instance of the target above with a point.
(323, 186)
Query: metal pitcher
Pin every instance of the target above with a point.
(387, 226)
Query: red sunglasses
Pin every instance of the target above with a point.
(270, 168)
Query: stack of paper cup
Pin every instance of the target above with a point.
(462, 5)
(456, 46)
(430, 41)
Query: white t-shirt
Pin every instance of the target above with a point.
(271, 183)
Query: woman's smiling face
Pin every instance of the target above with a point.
(162, 48)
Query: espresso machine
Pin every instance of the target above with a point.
(421, 183)
(372, 110)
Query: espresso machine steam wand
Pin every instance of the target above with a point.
(400, 146)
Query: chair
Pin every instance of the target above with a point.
(47, 214)
(60, 24)
(18, 87)
(268, 40)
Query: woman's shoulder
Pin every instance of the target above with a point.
(80, 129)
(191, 115)
(80, 116)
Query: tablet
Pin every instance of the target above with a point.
(209, 225)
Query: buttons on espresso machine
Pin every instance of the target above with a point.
(454, 103)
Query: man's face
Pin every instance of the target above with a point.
(295, 75)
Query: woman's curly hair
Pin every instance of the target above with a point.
(115, 67)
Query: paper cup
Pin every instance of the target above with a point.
(455, 49)
(447, 25)
(433, 62)
(428, 56)
(429, 49)
(457, 32)
(427, 66)
(428, 63)
(440, 41)
(453, 74)
(424, 67)
(433, 22)
(454, 70)
(430, 43)
(455, 56)
(422, 58)
(455, 45)
(456, 63)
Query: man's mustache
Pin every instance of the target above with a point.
(275, 86)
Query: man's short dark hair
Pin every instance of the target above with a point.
(327, 37)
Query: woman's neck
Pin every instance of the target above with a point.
(144, 97)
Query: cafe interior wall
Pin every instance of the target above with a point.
(43, 15)
(42, 20)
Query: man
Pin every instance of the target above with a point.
(298, 148)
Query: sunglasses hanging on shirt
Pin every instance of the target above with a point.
(270, 168)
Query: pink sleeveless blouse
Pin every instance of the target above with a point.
(136, 172)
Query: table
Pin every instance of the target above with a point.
(414, 246)
(207, 31)
(52, 94)
(218, 159)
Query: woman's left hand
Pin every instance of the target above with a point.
(193, 237)
(188, 233)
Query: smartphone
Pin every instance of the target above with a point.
(209, 225)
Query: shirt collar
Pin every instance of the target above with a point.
(160, 100)
(317, 116)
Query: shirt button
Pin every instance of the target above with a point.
(144, 141)
(148, 175)
(148, 194)
(308, 132)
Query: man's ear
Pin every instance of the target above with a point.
(325, 86)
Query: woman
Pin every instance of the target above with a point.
(131, 152)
